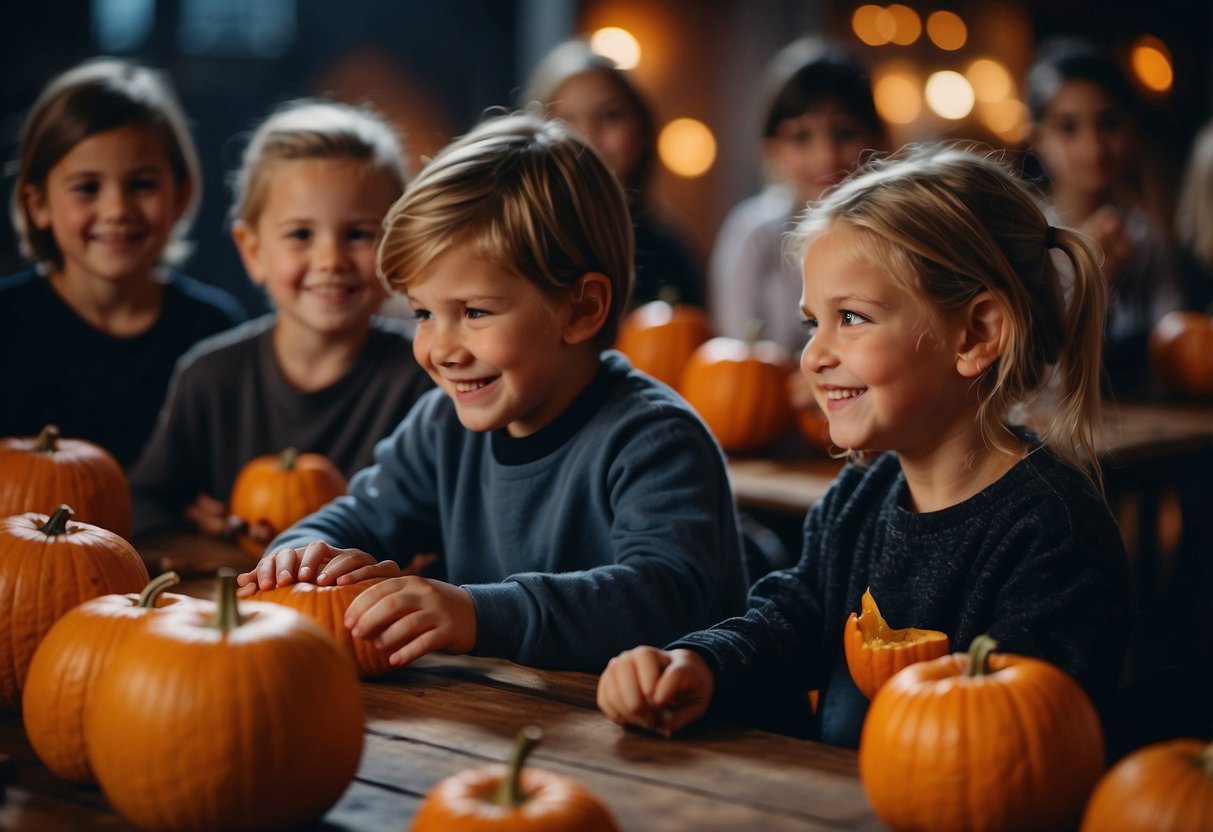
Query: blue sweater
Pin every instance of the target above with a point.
(613, 526)
(1035, 560)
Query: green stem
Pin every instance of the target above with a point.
(669, 293)
(47, 439)
(151, 593)
(753, 331)
(57, 522)
(1205, 761)
(227, 615)
(509, 793)
(289, 457)
(979, 656)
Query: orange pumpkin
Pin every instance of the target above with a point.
(326, 605)
(1181, 352)
(509, 799)
(815, 427)
(740, 389)
(225, 716)
(47, 566)
(281, 489)
(1164, 787)
(980, 742)
(67, 664)
(47, 470)
(660, 336)
(875, 651)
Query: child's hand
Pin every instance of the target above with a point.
(317, 563)
(208, 516)
(655, 689)
(414, 616)
(1107, 228)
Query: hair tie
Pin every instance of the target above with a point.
(1050, 237)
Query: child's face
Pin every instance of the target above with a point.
(1084, 140)
(878, 360)
(595, 106)
(492, 341)
(814, 151)
(313, 245)
(111, 204)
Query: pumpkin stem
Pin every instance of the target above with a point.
(1205, 761)
(151, 593)
(669, 293)
(57, 522)
(227, 615)
(509, 793)
(753, 330)
(289, 457)
(979, 656)
(45, 443)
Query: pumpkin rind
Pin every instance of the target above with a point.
(1181, 352)
(740, 390)
(43, 574)
(659, 337)
(1163, 787)
(39, 473)
(66, 666)
(281, 489)
(255, 726)
(326, 605)
(875, 651)
(1019, 747)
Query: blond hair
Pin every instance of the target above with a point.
(948, 222)
(530, 196)
(308, 129)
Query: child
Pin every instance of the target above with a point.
(587, 90)
(1194, 223)
(1084, 136)
(319, 374)
(579, 506)
(818, 117)
(107, 182)
(933, 307)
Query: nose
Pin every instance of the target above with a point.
(331, 254)
(817, 354)
(114, 202)
(442, 344)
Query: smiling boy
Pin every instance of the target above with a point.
(579, 507)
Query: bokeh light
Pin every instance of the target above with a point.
(990, 79)
(686, 147)
(898, 96)
(874, 25)
(949, 94)
(907, 25)
(1151, 61)
(617, 44)
(1007, 118)
(947, 30)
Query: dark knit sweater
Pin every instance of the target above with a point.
(1035, 560)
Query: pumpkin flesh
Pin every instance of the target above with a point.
(875, 651)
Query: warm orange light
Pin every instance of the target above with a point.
(907, 25)
(990, 79)
(898, 97)
(949, 94)
(617, 44)
(874, 25)
(687, 147)
(1008, 118)
(1151, 61)
(946, 30)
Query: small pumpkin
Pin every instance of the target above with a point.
(233, 716)
(47, 566)
(67, 664)
(281, 489)
(326, 605)
(740, 389)
(1163, 787)
(875, 651)
(660, 336)
(1181, 352)
(43, 471)
(815, 427)
(509, 798)
(980, 742)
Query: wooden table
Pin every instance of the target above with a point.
(447, 714)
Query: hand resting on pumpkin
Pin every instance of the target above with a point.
(323, 565)
(663, 691)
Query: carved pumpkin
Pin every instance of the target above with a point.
(326, 605)
(980, 742)
(875, 651)
(661, 335)
(1164, 787)
(507, 798)
(281, 489)
(68, 663)
(225, 716)
(47, 566)
(740, 389)
(48, 470)
(1181, 352)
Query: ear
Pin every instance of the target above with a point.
(985, 331)
(249, 245)
(35, 203)
(589, 307)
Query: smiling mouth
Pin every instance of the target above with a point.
(470, 386)
(838, 394)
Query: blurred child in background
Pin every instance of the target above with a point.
(107, 182)
(1194, 224)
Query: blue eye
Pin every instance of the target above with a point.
(472, 312)
(421, 315)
